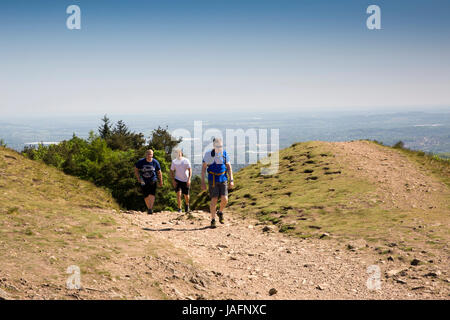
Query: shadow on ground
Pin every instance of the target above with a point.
(174, 229)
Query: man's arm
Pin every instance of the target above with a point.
(189, 177)
(136, 173)
(230, 174)
(160, 178)
(204, 165)
(172, 175)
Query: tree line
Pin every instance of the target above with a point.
(107, 159)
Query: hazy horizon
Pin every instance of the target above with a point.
(427, 131)
(308, 112)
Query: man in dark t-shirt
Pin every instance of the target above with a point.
(148, 171)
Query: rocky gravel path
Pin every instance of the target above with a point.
(244, 260)
(400, 182)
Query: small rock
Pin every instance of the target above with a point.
(319, 287)
(324, 235)
(415, 262)
(418, 288)
(400, 281)
(196, 286)
(193, 280)
(176, 292)
(433, 274)
(392, 273)
(390, 258)
(272, 291)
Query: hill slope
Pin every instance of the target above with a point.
(350, 189)
(49, 221)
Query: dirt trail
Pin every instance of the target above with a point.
(400, 182)
(238, 260)
(241, 261)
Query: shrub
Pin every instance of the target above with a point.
(108, 162)
(399, 145)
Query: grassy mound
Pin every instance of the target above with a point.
(315, 193)
(310, 194)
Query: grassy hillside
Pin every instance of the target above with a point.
(49, 221)
(316, 192)
(309, 193)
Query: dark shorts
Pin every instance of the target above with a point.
(149, 189)
(181, 186)
(219, 189)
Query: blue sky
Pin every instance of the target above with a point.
(195, 56)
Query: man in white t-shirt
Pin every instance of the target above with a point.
(181, 172)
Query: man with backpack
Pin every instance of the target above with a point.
(147, 171)
(217, 163)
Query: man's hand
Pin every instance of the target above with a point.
(203, 185)
(161, 183)
(174, 183)
(188, 183)
(231, 185)
(140, 181)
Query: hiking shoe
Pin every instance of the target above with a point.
(213, 223)
(150, 211)
(179, 210)
(186, 208)
(220, 214)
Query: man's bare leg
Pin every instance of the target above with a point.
(212, 207)
(186, 199)
(179, 199)
(223, 202)
(149, 201)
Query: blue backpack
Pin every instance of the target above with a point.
(217, 170)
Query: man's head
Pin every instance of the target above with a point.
(177, 154)
(149, 154)
(218, 146)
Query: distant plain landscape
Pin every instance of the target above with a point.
(426, 131)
